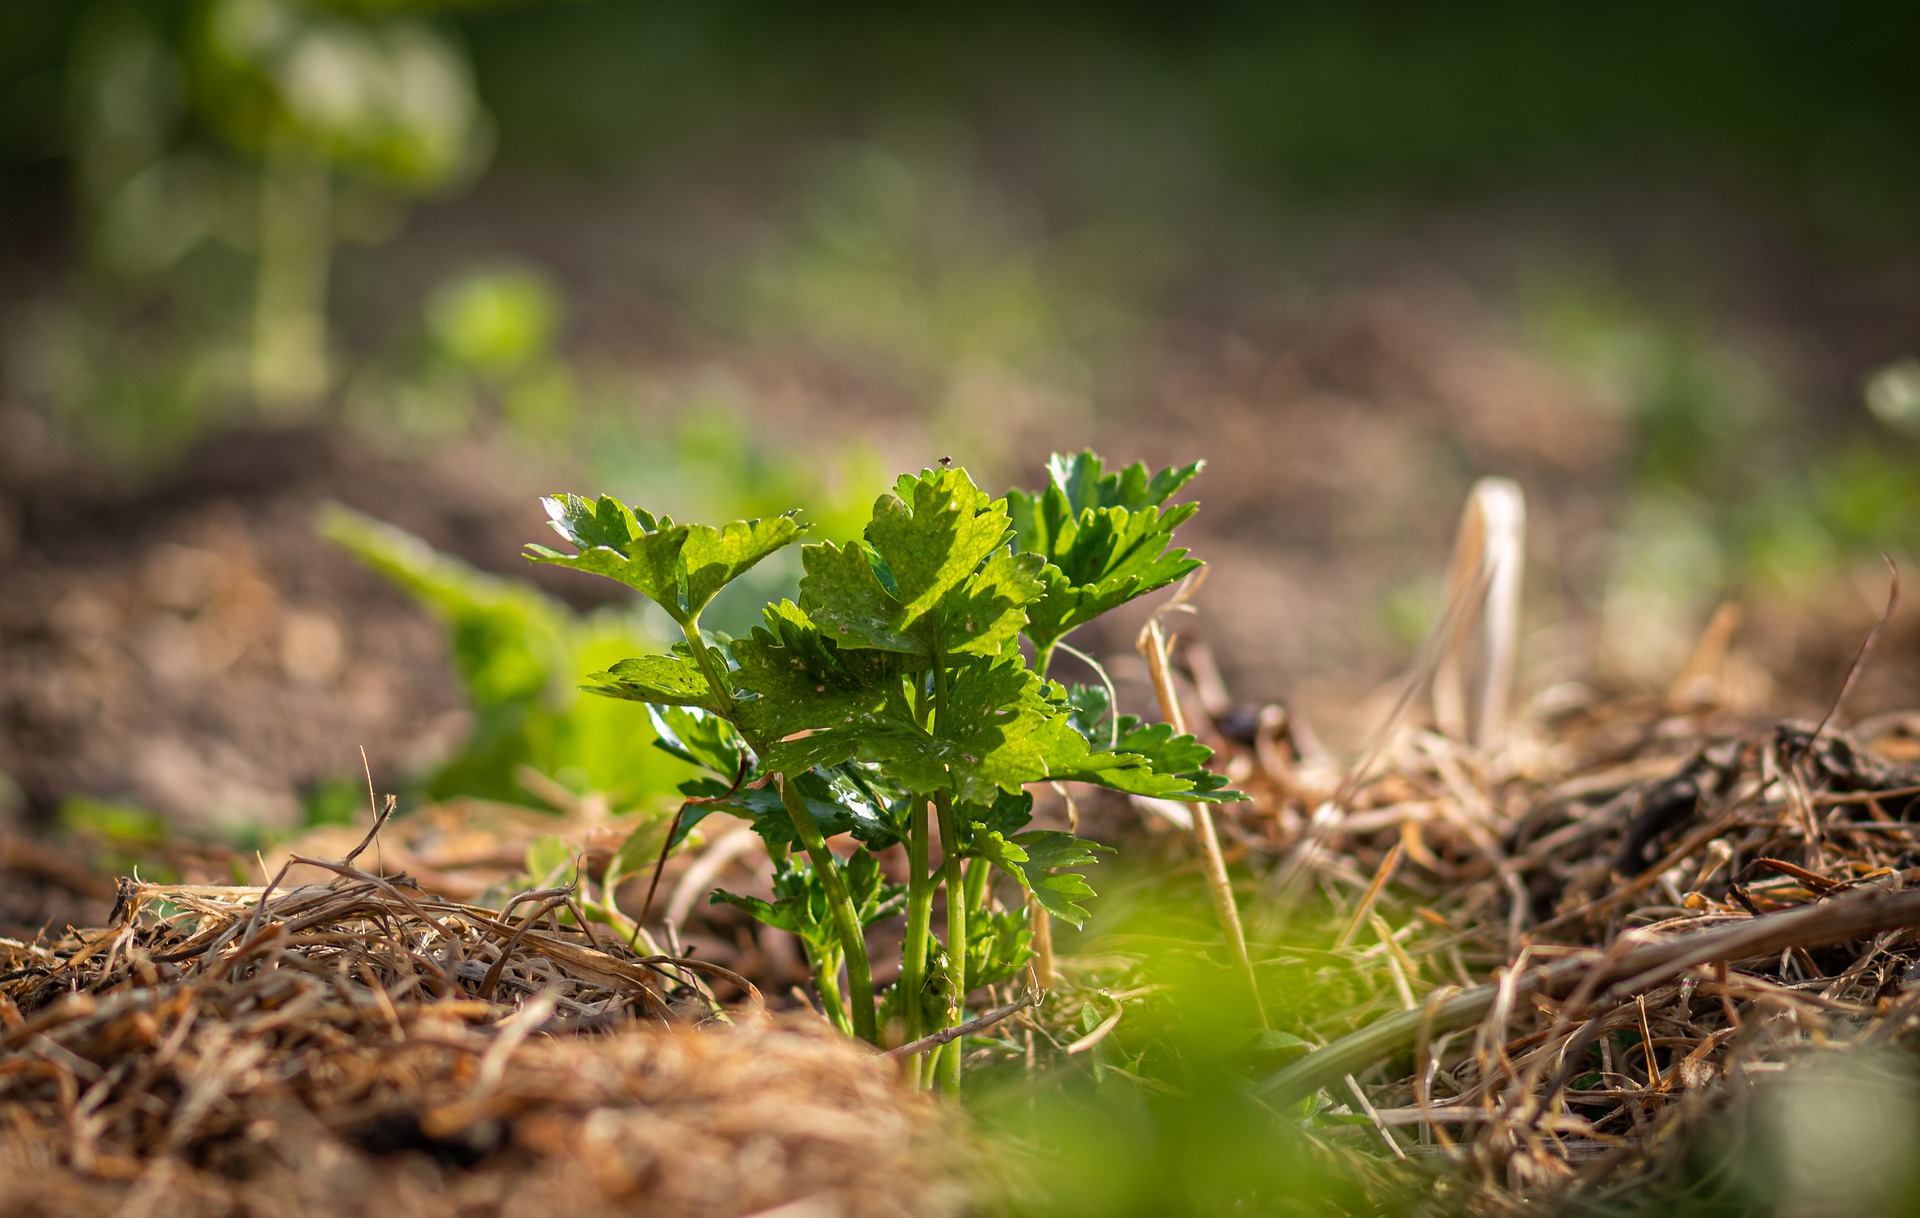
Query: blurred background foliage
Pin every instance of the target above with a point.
(732, 257)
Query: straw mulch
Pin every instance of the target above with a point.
(358, 1046)
(1555, 957)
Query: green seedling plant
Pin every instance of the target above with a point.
(895, 704)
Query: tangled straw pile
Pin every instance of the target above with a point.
(1592, 946)
(1611, 917)
(357, 1046)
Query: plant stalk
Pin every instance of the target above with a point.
(913, 968)
(713, 670)
(826, 979)
(979, 875)
(947, 1064)
(845, 919)
(1043, 659)
(1037, 916)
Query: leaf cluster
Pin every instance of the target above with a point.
(898, 680)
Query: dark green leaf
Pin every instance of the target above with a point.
(1169, 753)
(1038, 860)
(798, 680)
(1007, 815)
(699, 736)
(874, 900)
(763, 807)
(714, 558)
(1107, 539)
(761, 911)
(619, 543)
(1090, 710)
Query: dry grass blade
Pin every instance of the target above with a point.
(1153, 647)
(1868, 912)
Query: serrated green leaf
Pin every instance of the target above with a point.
(1002, 728)
(1085, 484)
(1135, 774)
(780, 917)
(933, 532)
(714, 558)
(672, 680)
(874, 900)
(800, 907)
(986, 613)
(1170, 753)
(998, 946)
(678, 567)
(843, 592)
(797, 679)
(603, 522)
(1090, 710)
(1039, 861)
(1051, 848)
(619, 543)
(995, 734)
(931, 579)
(1009, 813)
(1106, 538)
(1174, 765)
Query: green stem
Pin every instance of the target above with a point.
(948, 1066)
(913, 967)
(845, 919)
(826, 979)
(712, 669)
(979, 872)
(1042, 660)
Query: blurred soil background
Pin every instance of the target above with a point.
(433, 260)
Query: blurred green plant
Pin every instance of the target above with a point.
(894, 697)
(312, 93)
(1724, 487)
(232, 138)
(520, 658)
(486, 357)
(1151, 1109)
(915, 262)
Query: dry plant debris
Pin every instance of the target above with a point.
(1559, 950)
(359, 1044)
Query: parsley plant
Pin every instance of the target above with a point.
(894, 704)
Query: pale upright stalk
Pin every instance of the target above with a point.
(1153, 646)
(1489, 554)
